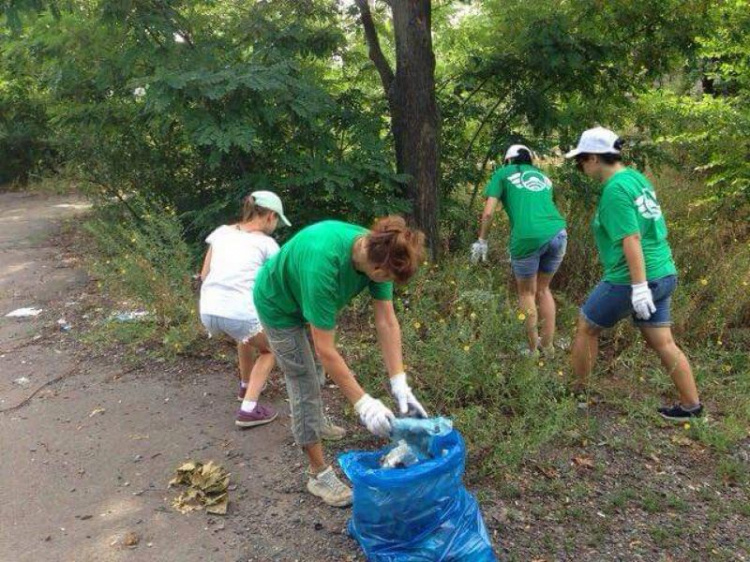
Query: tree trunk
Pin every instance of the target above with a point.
(411, 98)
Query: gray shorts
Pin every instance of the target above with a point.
(239, 330)
(295, 357)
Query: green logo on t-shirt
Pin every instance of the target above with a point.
(647, 205)
(531, 180)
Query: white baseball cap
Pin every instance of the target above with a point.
(596, 141)
(269, 200)
(515, 150)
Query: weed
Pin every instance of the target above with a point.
(143, 258)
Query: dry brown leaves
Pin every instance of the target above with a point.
(206, 488)
(584, 462)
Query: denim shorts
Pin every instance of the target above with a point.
(546, 259)
(609, 303)
(239, 330)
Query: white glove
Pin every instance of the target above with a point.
(374, 415)
(479, 251)
(408, 405)
(643, 301)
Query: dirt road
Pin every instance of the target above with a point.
(87, 459)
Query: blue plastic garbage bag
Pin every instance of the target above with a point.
(422, 513)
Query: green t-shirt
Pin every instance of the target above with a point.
(313, 277)
(628, 206)
(526, 194)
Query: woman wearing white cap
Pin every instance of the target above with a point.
(538, 239)
(235, 256)
(639, 272)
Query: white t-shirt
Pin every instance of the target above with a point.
(236, 258)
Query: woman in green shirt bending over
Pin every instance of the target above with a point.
(639, 272)
(316, 274)
(537, 239)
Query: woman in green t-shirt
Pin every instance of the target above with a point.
(316, 274)
(538, 239)
(639, 272)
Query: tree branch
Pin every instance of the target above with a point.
(373, 43)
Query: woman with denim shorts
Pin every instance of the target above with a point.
(639, 272)
(316, 274)
(236, 252)
(537, 240)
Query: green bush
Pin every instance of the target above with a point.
(144, 259)
(462, 335)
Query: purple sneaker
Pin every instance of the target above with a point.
(259, 416)
(241, 390)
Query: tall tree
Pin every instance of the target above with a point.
(410, 91)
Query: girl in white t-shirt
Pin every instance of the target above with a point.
(235, 255)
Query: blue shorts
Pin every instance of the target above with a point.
(546, 259)
(609, 303)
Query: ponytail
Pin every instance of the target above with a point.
(250, 210)
(396, 248)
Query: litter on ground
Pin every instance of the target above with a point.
(207, 488)
(25, 312)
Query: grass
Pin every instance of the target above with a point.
(141, 258)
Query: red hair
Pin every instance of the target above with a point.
(396, 248)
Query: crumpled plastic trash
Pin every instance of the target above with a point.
(25, 312)
(207, 488)
(401, 456)
(419, 433)
(129, 316)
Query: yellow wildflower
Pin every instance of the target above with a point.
(686, 426)
(521, 316)
(704, 282)
(417, 325)
(467, 348)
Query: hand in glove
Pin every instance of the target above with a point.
(408, 405)
(374, 415)
(643, 301)
(479, 251)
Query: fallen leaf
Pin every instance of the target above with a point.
(207, 484)
(585, 462)
(549, 472)
(131, 539)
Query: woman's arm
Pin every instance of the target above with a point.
(206, 265)
(486, 220)
(389, 336)
(641, 297)
(334, 364)
(631, 247)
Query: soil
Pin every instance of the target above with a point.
(87, 459)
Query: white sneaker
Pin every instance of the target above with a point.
(327, 486)
(331, 431)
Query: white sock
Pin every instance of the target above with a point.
(243, 384)
(248, 405)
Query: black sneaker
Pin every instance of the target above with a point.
(678, 413)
